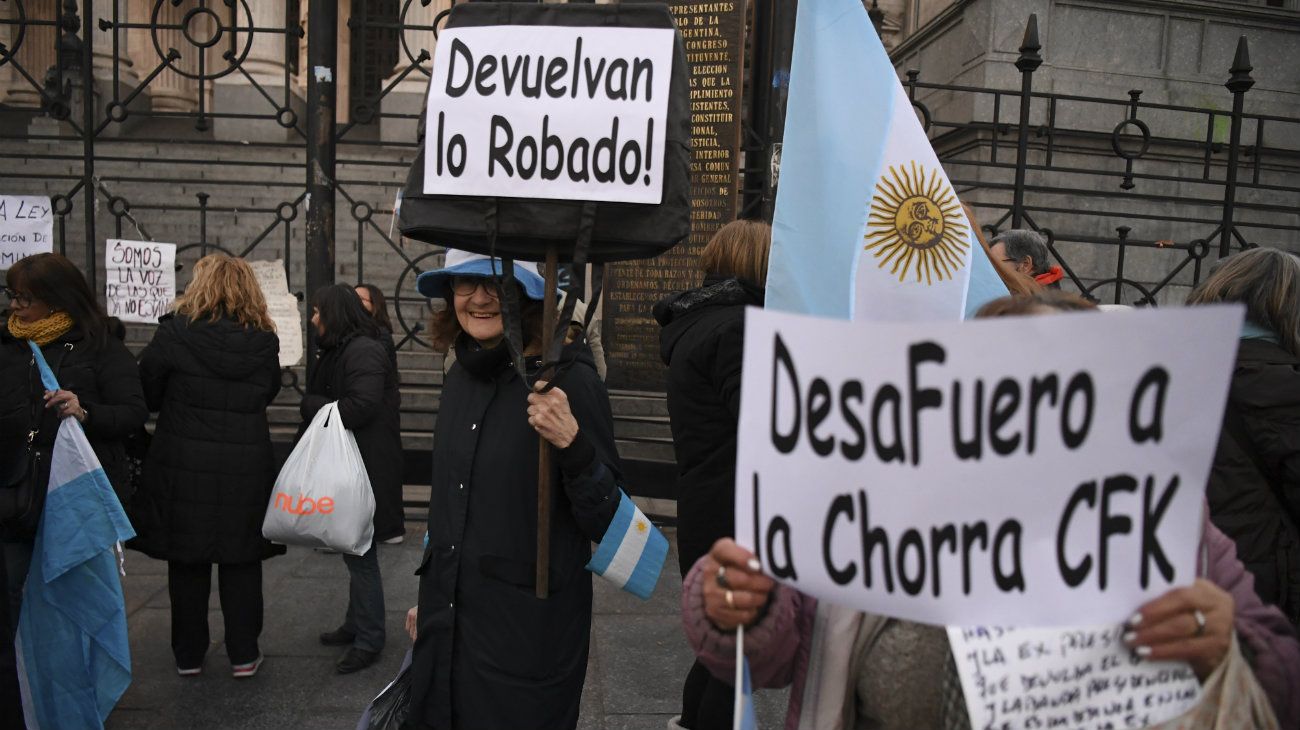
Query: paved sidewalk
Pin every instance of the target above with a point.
(638, 656)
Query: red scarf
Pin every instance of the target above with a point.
(1051, 276)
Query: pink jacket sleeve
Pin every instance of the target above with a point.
(1267, 637)
(771, 644)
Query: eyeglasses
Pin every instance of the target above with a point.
(466, 285)
(22, 300)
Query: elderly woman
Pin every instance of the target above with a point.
(488, 652)
(1254, 490)
(1026, 252)
(898, 674)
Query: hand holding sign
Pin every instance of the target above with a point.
(1191, 624)
(735, 589)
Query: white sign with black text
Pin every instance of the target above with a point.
(140, 279)
(26, 227)
(574, 113)
(1035, 471)
(282, 307)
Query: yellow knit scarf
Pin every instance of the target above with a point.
(42, 331)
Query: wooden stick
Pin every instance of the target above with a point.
(550, 273)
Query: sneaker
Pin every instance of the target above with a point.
(196, 671)
(354, 660)
(394, 540)
(338, 637)
(247, 670)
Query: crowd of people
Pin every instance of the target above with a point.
(487, 652)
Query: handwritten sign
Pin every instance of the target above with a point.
(283, 308)
(575, 113)
(140, 279)
(1083, 679)
(1038, 471)
(26, 227)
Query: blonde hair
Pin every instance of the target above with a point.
(225, 287)
(739, 250)
(1267, 281)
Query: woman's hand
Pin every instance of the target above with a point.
(734, 588)
(549, 415)
(411, 616)
(1191, 624)
(66, 403)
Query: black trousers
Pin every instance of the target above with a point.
(240, 587)
(707, 702)
(11, 708)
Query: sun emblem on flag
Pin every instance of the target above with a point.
(641, 526)
(916, 225)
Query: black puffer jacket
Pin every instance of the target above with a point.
(359, 373)
(1254, 490)
(102, 373)
(702, 343)
(210, 467)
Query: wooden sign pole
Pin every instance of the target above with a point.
(551, 275)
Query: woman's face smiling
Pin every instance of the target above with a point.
(478, 310)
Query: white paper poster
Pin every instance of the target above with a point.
(549, 112)
(26, 227)
(1084, 679)
(283, 308)
(1029, 471)
(140, 279)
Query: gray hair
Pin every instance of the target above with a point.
(1021, 243)
(1267, 281)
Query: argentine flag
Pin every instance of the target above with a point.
(74, 661)
(631, 554)
(743, 711)
(867, 224)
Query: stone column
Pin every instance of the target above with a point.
(36, 55)
(408, 96)
(169, 91)
(105, 59)
(265, 63)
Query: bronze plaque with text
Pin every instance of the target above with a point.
(714, 33)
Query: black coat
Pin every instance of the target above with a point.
(360, 375)
(100, 371)
(1254, 490)
(702, 343)
(210, 467)
(489, 654)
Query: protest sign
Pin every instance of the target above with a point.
(1036, 471)
(26, 227)
(572, 113)
(1085, 679)
(283, 308)
(140, 279)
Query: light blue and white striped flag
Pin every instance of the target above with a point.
(867, 224)
(74, 661)
(743, 712)
(631, 555)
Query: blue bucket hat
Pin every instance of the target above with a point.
(436, 283)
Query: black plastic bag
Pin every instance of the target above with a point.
(388, 711)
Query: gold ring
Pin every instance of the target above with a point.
(730, 598)
(1200, 622)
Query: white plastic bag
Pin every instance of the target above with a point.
(322, 497)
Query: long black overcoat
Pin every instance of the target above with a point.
(210, 467)
(702, 343)
(489, 653)
(102, 373)
(360, 374)
(1254, 490)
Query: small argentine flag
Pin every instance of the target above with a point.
(631, 555)
(867, 224)
(743, 712)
